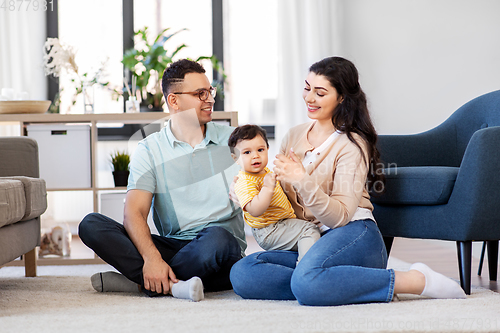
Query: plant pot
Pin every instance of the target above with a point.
(121, 178)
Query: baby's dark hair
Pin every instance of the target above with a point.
(246, 132)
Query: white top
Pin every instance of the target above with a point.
(312, 155)
(361, 213)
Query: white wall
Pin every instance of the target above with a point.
(421, 60)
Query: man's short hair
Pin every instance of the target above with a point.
(246, 132)
(176, 71)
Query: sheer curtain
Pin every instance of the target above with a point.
(308, 31)
(22, 35)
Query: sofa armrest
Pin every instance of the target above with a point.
(436, 147)
(19, 157)
(476, 194)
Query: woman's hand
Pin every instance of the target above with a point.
(288, 169)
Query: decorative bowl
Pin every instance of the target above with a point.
(24, 106)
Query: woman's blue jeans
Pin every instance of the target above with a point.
(346, 266)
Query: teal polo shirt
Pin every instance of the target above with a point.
(190, 186)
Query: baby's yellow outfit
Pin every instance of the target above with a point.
(248, 186)
(277, 228)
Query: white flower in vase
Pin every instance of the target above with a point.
(60, 58)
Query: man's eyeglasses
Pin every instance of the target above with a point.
(201, 93)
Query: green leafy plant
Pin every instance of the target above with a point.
(120, 161)
(147, 63)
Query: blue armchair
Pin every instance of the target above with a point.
(445, 183)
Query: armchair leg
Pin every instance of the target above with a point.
(30, 263)
(464, 251)
(388, 244)
(481, 259)
(492, 259)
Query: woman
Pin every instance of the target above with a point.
(323, 167)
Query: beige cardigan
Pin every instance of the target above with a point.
(334, 185)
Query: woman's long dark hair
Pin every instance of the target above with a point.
(352, 115)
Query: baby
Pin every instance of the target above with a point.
(265, 206)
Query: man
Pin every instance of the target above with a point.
(184, 170)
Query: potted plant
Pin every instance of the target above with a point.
(147, 62)
(120, 162)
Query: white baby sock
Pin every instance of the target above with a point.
(438, 285)
(191, 289)
(113, 281)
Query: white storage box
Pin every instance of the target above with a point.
(64, 154)
(112, 205)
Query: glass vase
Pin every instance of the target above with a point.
(88, 98)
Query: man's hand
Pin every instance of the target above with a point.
(158, 276)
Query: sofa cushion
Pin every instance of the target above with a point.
(36, 196)
(12, 201)
(429, 185)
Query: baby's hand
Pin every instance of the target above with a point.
(270, 180)
(232, 192)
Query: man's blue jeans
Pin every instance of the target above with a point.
(210, 255)
(347, 265)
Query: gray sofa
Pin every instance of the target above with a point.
(23, 198)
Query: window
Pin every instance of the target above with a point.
(251, 31)
(94, 29)
(193, 15)
(251, 62)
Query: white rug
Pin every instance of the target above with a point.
(61, 299)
